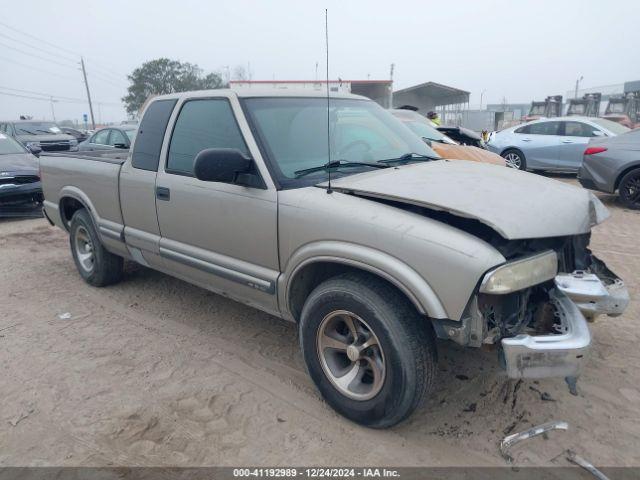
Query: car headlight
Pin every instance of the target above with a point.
(32, 144)
(520, 274)
(73, 142)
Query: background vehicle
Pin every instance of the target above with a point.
(46, 135)
(20, 188)
(79, 135)
(463, 136)
(550, 144)
(441, 144)
(110, 138)
(551, 107)
(612, 164)
(228, 190)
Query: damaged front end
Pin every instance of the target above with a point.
(535, 307)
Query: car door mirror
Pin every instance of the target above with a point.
(426, 140)
(227, 165)
(120, 145)
(34, 149)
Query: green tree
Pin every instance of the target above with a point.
(161, 76)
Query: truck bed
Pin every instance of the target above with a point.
(91, 179)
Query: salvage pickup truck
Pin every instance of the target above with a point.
(334, 215)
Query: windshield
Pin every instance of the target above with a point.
(613, 127)
(293, 132)
(37, 128)
(10, 146)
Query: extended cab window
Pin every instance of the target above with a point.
(202, 124)
(146, 150)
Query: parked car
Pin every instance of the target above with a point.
(110, 138)
(463, 136)
(79, 135)
(440, 143)
(550, 144)
(46, 135)
(612, 164)
(230, 190)
(20, 187)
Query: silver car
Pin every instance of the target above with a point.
(551, 144)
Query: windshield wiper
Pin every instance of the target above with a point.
(408, 157)
(336, 164)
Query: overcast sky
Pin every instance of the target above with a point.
(518, 50)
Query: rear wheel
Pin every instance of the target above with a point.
(514, 159)
(371, 355)
(629, 190)
(96, 265)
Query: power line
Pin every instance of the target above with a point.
(35, 47)
(61, 97)
(38, 56)
(57, 100)
(37, 69)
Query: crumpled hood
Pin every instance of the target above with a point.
(516, 204)
(23, 163)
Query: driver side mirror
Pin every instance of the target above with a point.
(34, 149)
(227, 165)
(426, 140)
(120, 145)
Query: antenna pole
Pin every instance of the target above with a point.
(326, 37)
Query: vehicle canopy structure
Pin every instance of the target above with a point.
(587, 106)
(624, 109)
(551, 107)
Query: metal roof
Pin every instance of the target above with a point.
(436, 93)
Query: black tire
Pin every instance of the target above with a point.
(629, 189)
(514, 152)
(405, 337)
(105, 268)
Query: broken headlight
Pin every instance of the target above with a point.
(520, 274)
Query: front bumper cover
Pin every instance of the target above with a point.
(575, 296)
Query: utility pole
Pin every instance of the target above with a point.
(391, 85)
(577, 84)
(86, 84)
(481, 95)
(53, 113)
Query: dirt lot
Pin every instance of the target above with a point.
(154, 371)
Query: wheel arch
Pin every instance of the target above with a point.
(627, 169)
(71, 200)
(313, 264)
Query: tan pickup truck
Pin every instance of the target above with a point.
(230, 191)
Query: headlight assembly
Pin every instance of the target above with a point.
(520, 274)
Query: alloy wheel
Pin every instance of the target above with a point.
(351, 355)
(84, 249)
(513, 160)
(630, 190)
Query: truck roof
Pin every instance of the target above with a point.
(261, 92)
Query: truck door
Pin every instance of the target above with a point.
(138, 182)
(222, 236)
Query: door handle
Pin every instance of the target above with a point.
(163, 193)
(567, 141)
(526, 139)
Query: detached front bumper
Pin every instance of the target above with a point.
(575, 296)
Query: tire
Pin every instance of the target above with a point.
(405, 346)
(96, 265)
(515, 159)
(629, 190)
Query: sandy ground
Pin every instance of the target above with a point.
(154, 371)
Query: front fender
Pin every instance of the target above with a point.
(379, 263)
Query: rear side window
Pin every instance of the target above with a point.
(146, 150)
(544, 128)
(202, 124)
(101, 137)
(578, 129)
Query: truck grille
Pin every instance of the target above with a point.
(55, 145)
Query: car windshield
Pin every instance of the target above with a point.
(9, 146)
(37, 128)
(293, 131)
(614, 127)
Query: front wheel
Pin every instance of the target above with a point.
(629, 190)
(371, 355)
(514, 159)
